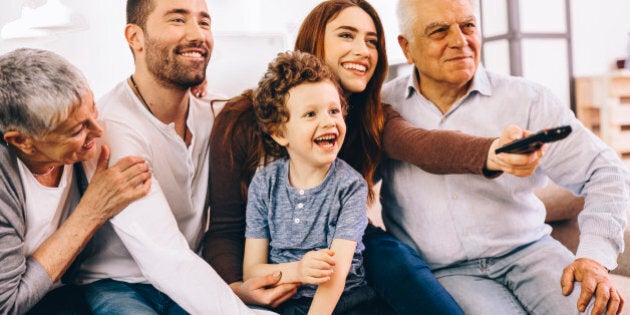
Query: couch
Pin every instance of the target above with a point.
(562, 211)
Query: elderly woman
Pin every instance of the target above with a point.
(47, 211)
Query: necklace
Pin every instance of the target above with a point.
(142, 100)
(146, 105)
(50, 170)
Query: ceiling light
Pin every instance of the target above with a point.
(49, 19)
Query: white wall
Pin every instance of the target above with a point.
(599, 31)
(600, 34)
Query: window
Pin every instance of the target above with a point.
(532, 39)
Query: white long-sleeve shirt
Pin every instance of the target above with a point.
(155, 239)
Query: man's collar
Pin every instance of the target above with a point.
(413, 82)
(480, 82)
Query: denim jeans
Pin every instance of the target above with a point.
(359, 301)
(402, 278)
(65, 300)
(525, 281)
(108, 297)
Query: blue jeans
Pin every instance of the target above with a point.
(525, 281)
(402, 278)
(65, 300)
(359, 301)
(109, 297)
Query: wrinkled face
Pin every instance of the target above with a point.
(316, 127)
(350, 43)
(445, 45)
(179, 42)
(73, 139)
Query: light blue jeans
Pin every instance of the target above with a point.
(525, 281)
(109, 297)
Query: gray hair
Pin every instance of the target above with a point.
(406, 16)
(38, 90)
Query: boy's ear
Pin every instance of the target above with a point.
(279, 138)
(19, 141)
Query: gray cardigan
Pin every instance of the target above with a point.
(23, 281)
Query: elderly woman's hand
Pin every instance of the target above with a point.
(112, 189)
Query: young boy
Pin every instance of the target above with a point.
(306, 211)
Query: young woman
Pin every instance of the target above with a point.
(348, 36)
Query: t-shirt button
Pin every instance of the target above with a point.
(300, 205)
(301, 191)
(296, 220)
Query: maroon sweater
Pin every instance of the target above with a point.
(434, 151)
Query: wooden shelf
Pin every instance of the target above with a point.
(603, 105)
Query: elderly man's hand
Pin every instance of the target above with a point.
(516, 164)
(595, 281)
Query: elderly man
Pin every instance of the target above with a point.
(486, 240)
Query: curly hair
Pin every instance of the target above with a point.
(288, 70)
(365, 119)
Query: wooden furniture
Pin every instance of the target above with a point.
(603, 105)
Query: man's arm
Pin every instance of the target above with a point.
(602, 222)
(150, 233)
(585, 165)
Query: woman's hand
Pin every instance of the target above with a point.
(516, 164)
(112, 189)
(265, 290)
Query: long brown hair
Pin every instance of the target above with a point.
(365, 119)
(245, 128)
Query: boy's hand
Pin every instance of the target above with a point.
(316, 267)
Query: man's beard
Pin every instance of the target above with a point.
(163, 64)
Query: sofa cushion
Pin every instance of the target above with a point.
(560, 203)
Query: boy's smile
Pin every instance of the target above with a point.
(316, 127)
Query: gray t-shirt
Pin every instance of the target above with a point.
(296, 221)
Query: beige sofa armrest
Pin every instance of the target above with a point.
(560, 203)
(562, 210)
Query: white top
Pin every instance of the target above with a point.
(155, 239)
(46, 207)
